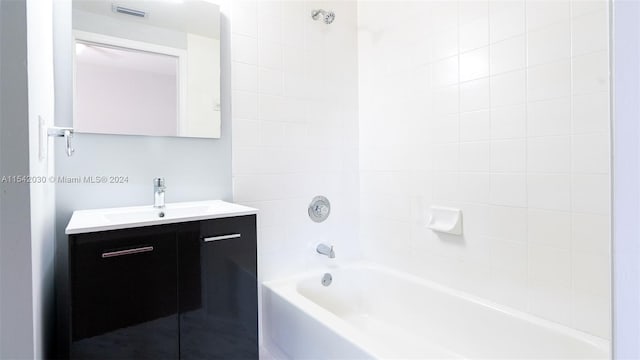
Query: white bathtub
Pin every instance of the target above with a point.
(370, 311)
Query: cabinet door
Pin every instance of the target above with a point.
(124, 294)
(218, 291)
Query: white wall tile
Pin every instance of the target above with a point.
(589, 33)
(246, 133)
(590, 193)
(270, 55)
(294, 84)
(245, 77)
(506, 19)
(509, 256)
(445, 71)
(549, 191)
(590, 73)
(475, 156)
(508, 122)
(590, 233)
(445, 187)
(475, 187)
(270, 20)
(446, 100)
(549, 228)
(270, 81)
(549, 154)
(579, 8)
(508, 223)
(549, 43)
(508, 155)
(244, 49)
(474, 95)
(590, 153)
(508, 55)
(474, 34)
(293, 23)
(245, 105)
(271, 108)
(587, 276)
(549, 117)
(445, 43)
(542, 13)
(445, 15)
(474, 64)
(246, 161)
(590, 113)
(475, 125)
(550, 265)
(445, 129)
(549, 81)
(446, 157)
(271, 133)
(471, 10)
(245, 18)
(509, 189)
(508, 89)
(476, 221)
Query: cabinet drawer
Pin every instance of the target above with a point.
(228, 228)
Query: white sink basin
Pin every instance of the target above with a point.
(151, 213)
(83, 221)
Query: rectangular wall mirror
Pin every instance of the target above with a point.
(147, 67)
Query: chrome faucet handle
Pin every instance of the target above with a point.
(319, 209)
(159, 183)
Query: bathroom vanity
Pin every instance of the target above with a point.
(178, 282)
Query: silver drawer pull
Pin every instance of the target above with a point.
(221, 237)
(127, 252)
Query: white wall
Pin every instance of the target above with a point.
(41, 106)
(499, 108)
(16, 290)
(27, 231)
(626, 180)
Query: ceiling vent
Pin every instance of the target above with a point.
(129, 11)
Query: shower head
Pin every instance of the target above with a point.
(327, 16)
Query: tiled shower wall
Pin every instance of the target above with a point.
(294, 109)
(499, 108)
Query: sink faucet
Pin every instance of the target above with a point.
(158, 193)
(326, 250)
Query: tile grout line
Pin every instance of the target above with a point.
(528, 286)
(571, 169)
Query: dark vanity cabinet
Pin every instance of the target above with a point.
(185, 290)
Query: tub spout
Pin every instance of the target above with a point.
(326, 250)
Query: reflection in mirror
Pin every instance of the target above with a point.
(117, 87)
(147, 68)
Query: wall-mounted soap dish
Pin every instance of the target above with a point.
(445, 220)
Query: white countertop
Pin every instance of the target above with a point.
(85, 221)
